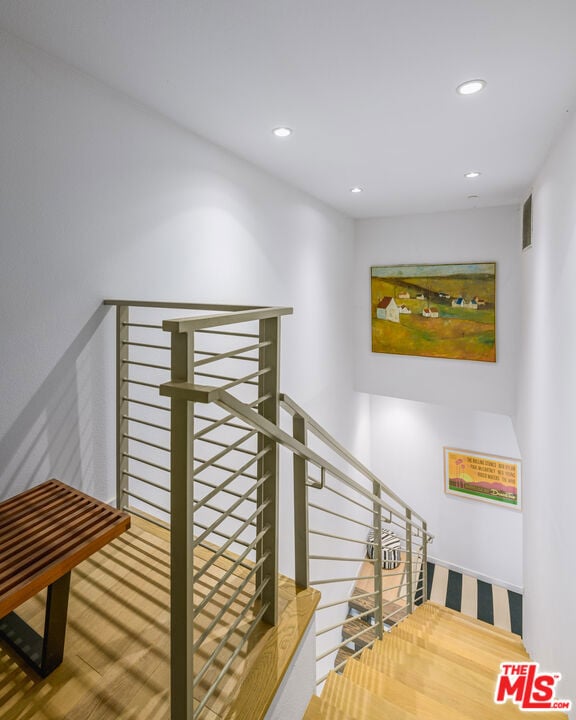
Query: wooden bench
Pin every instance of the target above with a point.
(44, 533)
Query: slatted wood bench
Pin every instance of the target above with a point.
(44, 533)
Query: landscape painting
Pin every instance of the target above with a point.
(490, 478)
(442, 311)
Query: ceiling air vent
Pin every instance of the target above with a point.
(527, 224)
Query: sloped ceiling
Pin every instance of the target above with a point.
(368, 86)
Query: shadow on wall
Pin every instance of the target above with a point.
(53, 435)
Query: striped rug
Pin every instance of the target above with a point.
(491, 603)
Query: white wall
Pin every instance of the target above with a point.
(546, 418)
(485, 235)
(420, 405)
(102, 198)
(299, 684)
(407, 440)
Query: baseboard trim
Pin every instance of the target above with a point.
(478, 576)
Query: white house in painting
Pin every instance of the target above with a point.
(430, 312)
(403, 310)
(388, 310)
(404, 295)
(421, 296)
(461, 302)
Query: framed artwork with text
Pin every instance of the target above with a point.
(477, 476)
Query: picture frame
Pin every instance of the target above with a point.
(493, 479)
(442, 311)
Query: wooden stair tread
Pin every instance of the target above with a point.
(440, 688)
(455, 649)
(458, 617)
(474, 636)
(319, 709)
(359, 626)
(476, 702)
(455, 635)
(360, 704)
(435, 665)
(343, 655)
(483, 637)
(359, 603)
(431, 664)
(395, 610)
(396, 692)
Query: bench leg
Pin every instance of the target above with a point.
(44, 654)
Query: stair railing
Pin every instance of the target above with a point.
(207, 477)
(219, 503)
(407, 585)
(219, 496)
(379, 599)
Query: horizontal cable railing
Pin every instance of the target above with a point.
(199, 437)
(332, 539)
(389, 576)
(224, 500)
(206, 476)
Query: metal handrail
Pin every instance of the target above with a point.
(294, 409)
(224, 318)
(412, 544)
(222, 398)
(160, 304)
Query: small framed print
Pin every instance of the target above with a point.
(477, 476)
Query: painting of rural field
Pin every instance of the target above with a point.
(443, 311)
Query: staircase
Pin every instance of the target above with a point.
(437, 664)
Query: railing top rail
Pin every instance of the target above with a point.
(207, 394)
(294, 409)
(184, 305)
(224, 318)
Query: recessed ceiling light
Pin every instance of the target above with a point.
(470, 87)
(472, 174)
(356, 190)
(282, 132)
(473, 197)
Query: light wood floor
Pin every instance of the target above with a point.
(117, 657)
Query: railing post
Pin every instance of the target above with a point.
(182, 530)
(301, 572)
(424, 562)
(409, 563)
(377, 522)
(268, 387)
(122, 319)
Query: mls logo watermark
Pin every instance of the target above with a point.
(530, 689)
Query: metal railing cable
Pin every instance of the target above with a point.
(403, 589)
(219, 496)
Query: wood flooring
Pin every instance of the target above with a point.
(117, 655)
